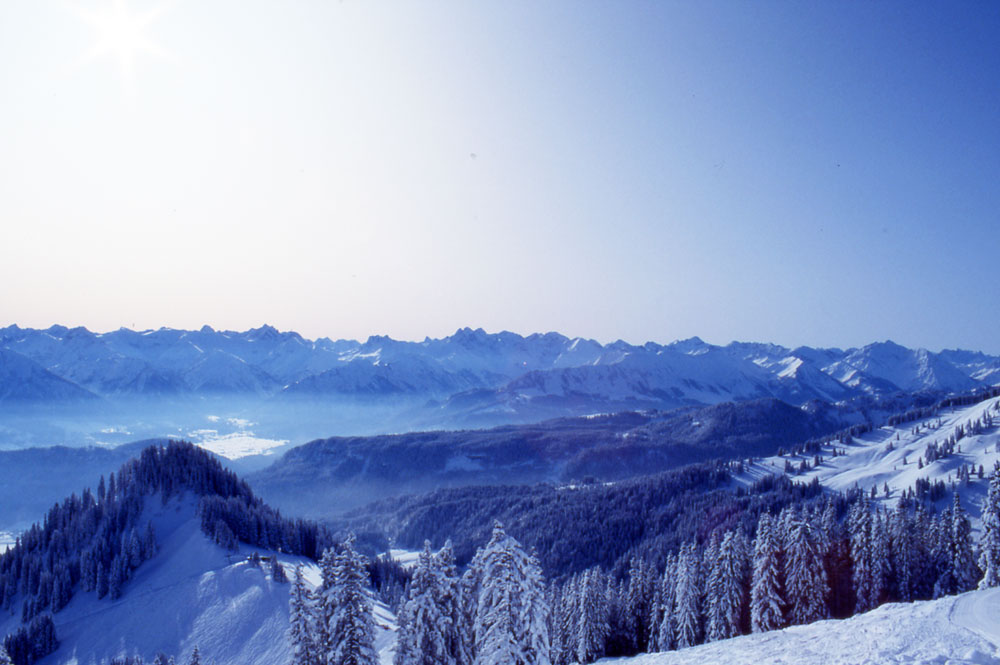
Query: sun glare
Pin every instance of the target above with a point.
(121, 34)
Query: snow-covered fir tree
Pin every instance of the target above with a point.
(616, 595)
(989, 541)
(727, 588)
(430, 632)
(592, 617)
(449, 600)
(564, 624)
(300, 622)
(323, 606)
(420, 636)
(806, 587)
(667, 626)
(710, 565)
(655, 616)
(687, 597)
(350, 631)
(766, 599)
(867, 582)
(511, 620)
(637, 602)
(963, 561)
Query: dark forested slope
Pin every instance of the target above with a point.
(327, 477)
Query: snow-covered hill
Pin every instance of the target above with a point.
(191, 594)
(897, 456)
(957, 630)
(152, 563)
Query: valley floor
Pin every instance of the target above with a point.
(958, 630)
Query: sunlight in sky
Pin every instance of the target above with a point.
(797, 173)
(121, 34)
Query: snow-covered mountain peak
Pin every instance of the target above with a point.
(691, 345)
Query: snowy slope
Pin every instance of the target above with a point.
(192, 593)
(889, 455)
(22, 379)
(958, 630)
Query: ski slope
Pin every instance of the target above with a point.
(958, 630)
(192, 593)
(868, 462)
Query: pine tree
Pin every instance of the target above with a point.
(351, 628)
(989, 542)
(806, 588)
(511, 621)
(712, 564)
(728, 585)
(655, 617)
(404, 652)
(863, 553)
(565, 624)
(766, 599)
(534, 609)
(195, 658)
(324, 606)
(666, 631)
(687, 597)
(449, 600)
(424, 633)
(637, 604)
(963, 561)
(592, 618)
(300, 623)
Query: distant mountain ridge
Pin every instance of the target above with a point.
(474, 377)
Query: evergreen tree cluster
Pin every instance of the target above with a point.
(333, 625)
(803, 564)
(497, 613)
(31, 642)
(389, 579)
(573, 528)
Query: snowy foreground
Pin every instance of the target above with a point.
(958, 630)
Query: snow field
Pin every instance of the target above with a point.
(957, 630)
(867, 462)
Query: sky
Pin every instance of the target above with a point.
(792, 172)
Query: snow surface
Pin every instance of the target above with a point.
(958, 630)
(192, 593)
(867, 462)
(242, 442)
(405, 558)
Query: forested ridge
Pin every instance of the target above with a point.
(94, 542)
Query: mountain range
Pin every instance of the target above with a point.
(471, 377)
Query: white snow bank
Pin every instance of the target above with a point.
(959, 630)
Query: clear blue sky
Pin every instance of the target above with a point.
(822, 173)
